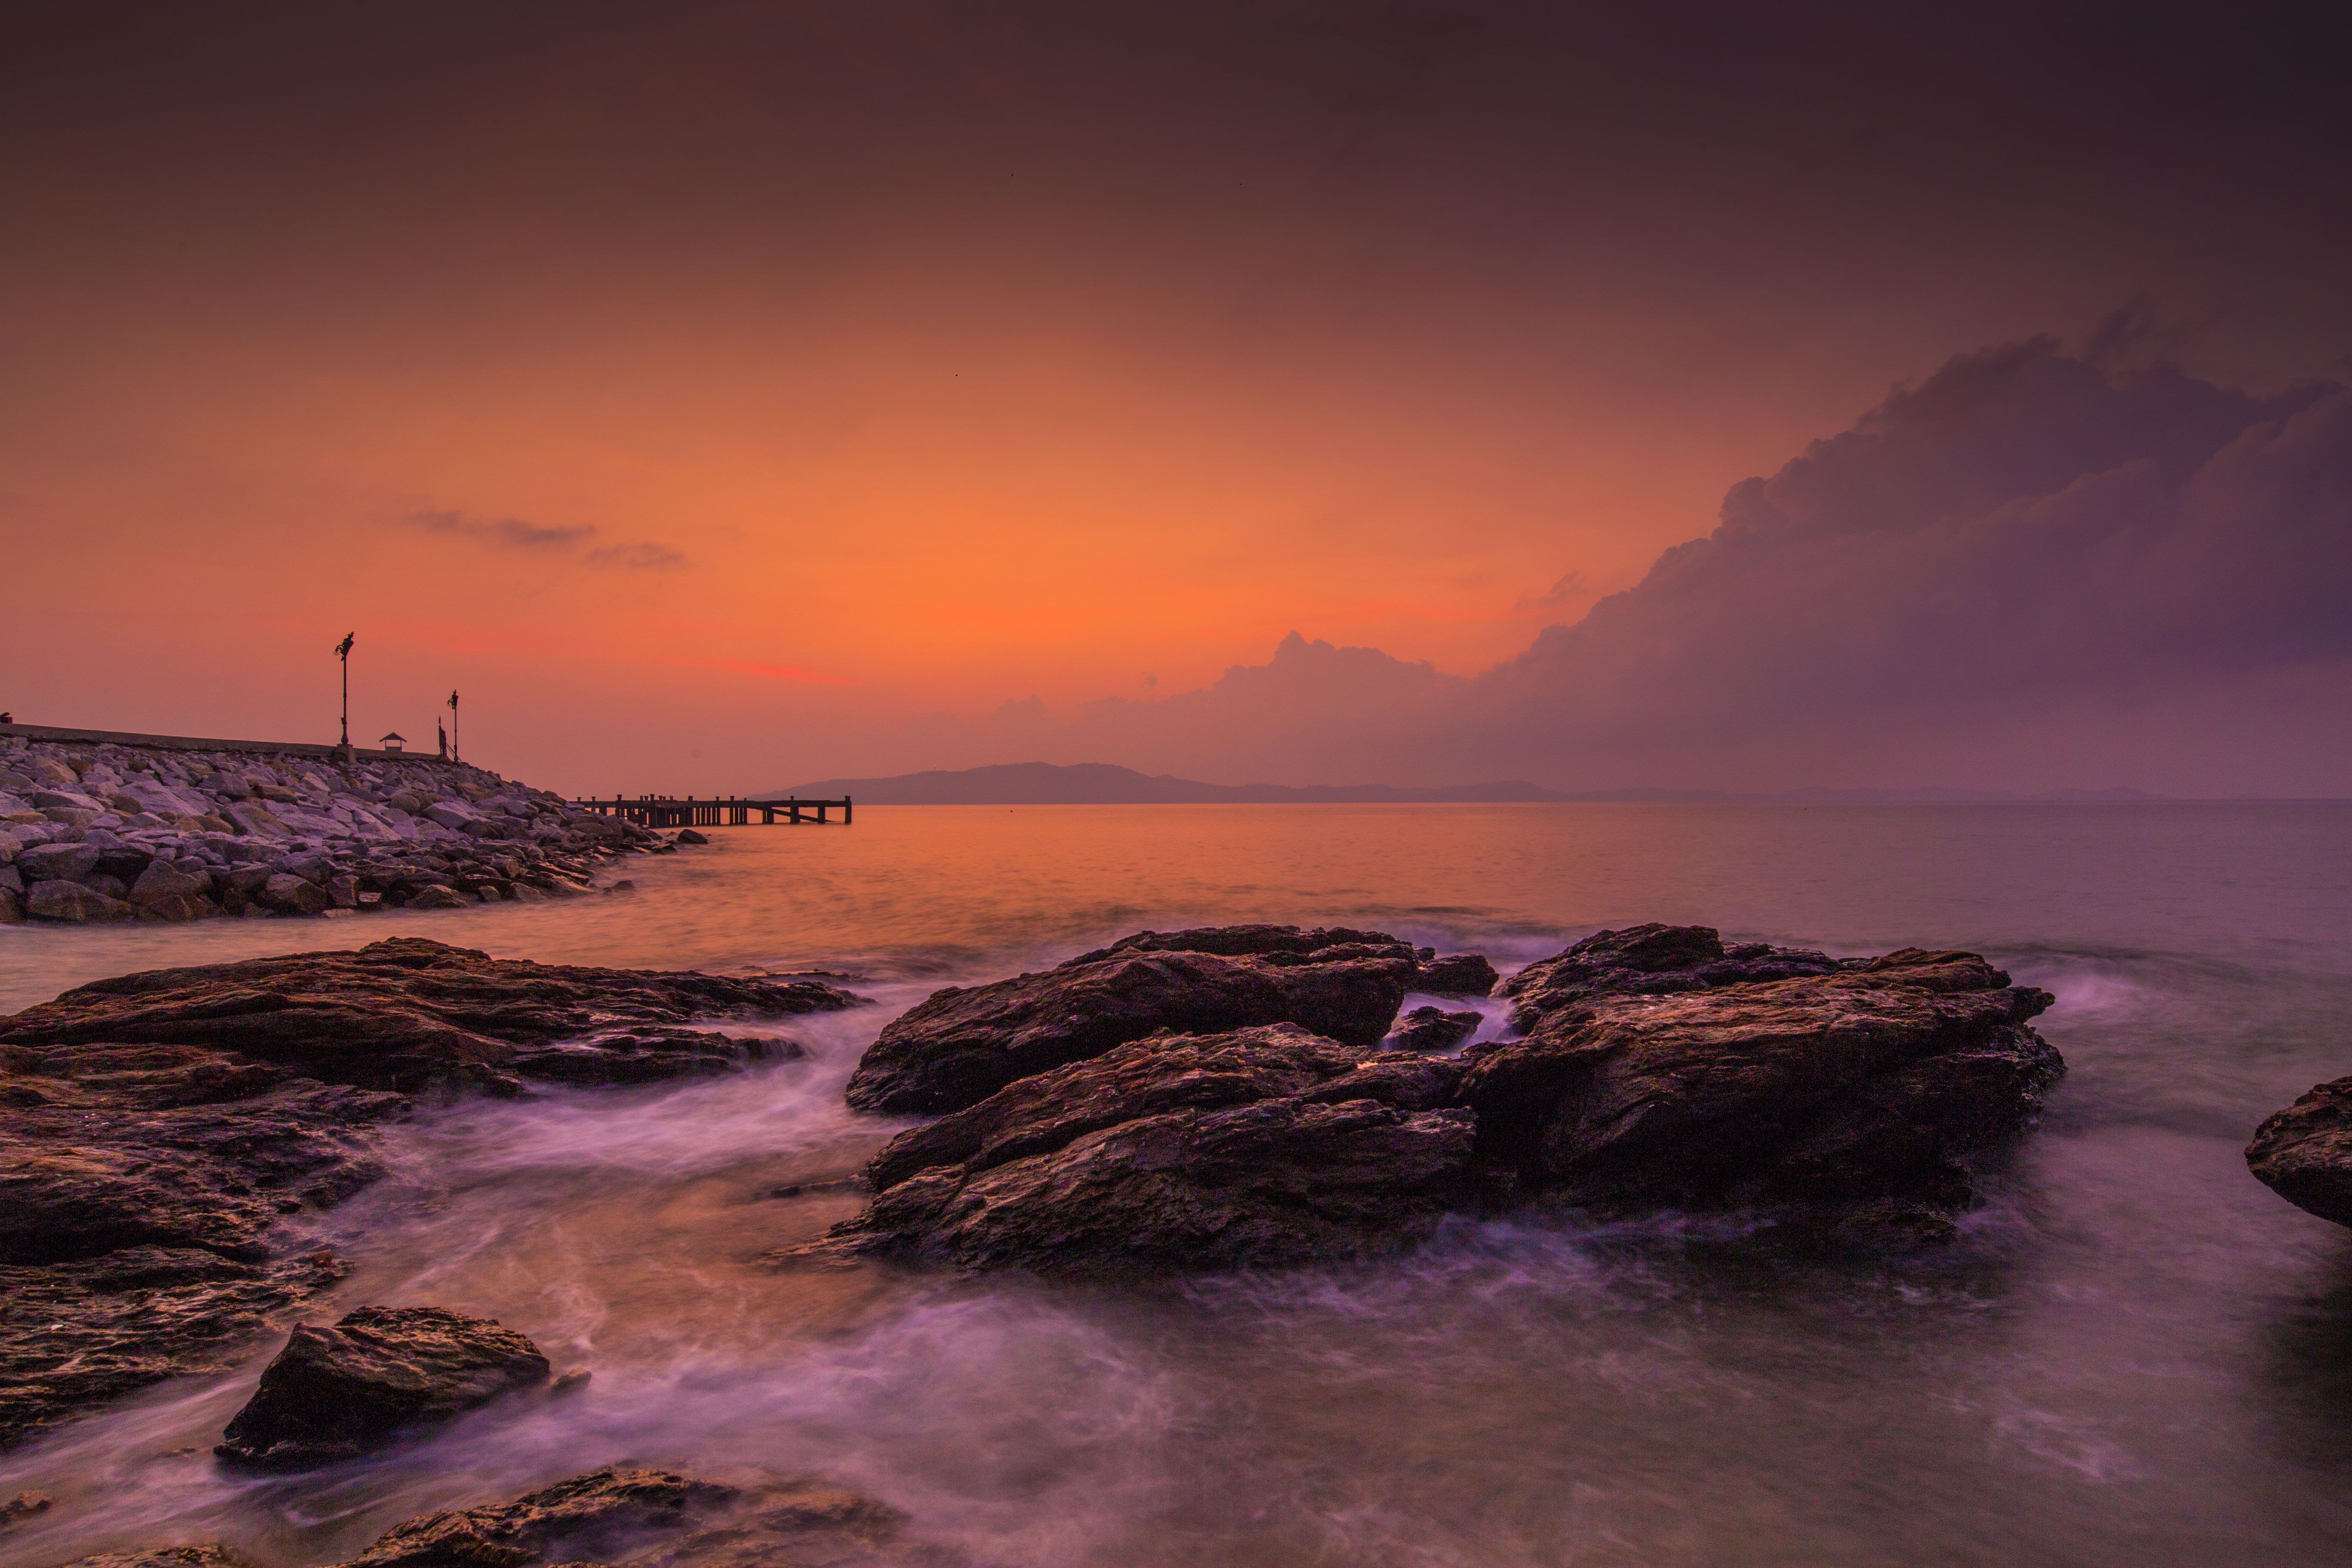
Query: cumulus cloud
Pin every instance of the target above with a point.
(1571, 588)
(2024, 543)
(514, 533)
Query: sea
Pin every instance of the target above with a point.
(2135, 1354)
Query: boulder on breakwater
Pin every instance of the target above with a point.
(106, 832)
(1656, 1069)
(159, 1125)
(2303, 1154)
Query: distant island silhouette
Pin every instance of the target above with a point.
(1105, 784)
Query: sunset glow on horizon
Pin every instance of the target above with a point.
(815, 386)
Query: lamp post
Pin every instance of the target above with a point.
(453, 726)
(343, 652)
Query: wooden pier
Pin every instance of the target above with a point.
(717, 811)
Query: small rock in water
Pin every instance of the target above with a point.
(1433, 1030)
(334, 1393)
(688, 835)
(2303, 1154)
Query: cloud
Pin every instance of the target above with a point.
(1571, 587)
(1996, 562)
(637, 558)
(514, 533)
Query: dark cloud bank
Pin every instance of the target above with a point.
(2033, 569)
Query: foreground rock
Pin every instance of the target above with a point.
(1266, 1145)
(155, 1129)
(1659, 1071)
(623, 1516)
(113, 833)
(1870, 1084)
(405, 1013)
(959, 1045)
(337, 1392)
(2303, 1154)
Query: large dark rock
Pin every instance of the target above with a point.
(406, 1013)
(1653, 961)
(961, 1045)
(1261, 1146)
(2304, 1153)
(1458, 974)
(154, 1128)
(1875, 1082)
(1660, 1072)
(337, 1392)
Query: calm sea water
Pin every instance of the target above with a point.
(2138, 1355)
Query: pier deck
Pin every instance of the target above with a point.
(715, 811)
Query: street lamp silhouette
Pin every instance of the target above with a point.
(343, 652)
(453, 726)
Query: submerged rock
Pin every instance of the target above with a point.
(158, 1127)
(2303, 1154)
(1661, 1070)
(962, 1045)
(334, 1393)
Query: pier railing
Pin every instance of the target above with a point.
(716, 811)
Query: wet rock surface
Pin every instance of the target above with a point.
(1658, 1070)
(338, 1391)
(963, 1044)
(632, 1515)
(1869, 1083)
(156, 1128)
(405, 1013)
(1433, 1030)
(1654, 961)
(2304, 1153)
(110, 832)
(1266, 1145)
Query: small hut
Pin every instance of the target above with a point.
(394, 742)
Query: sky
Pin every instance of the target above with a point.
(725, 395)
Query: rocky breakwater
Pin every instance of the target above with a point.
(161, 1128)
(1653, 1069)
(94, 833)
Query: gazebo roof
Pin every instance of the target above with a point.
(394, 737)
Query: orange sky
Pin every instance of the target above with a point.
(849, 368)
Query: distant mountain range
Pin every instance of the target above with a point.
(1102, 783)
